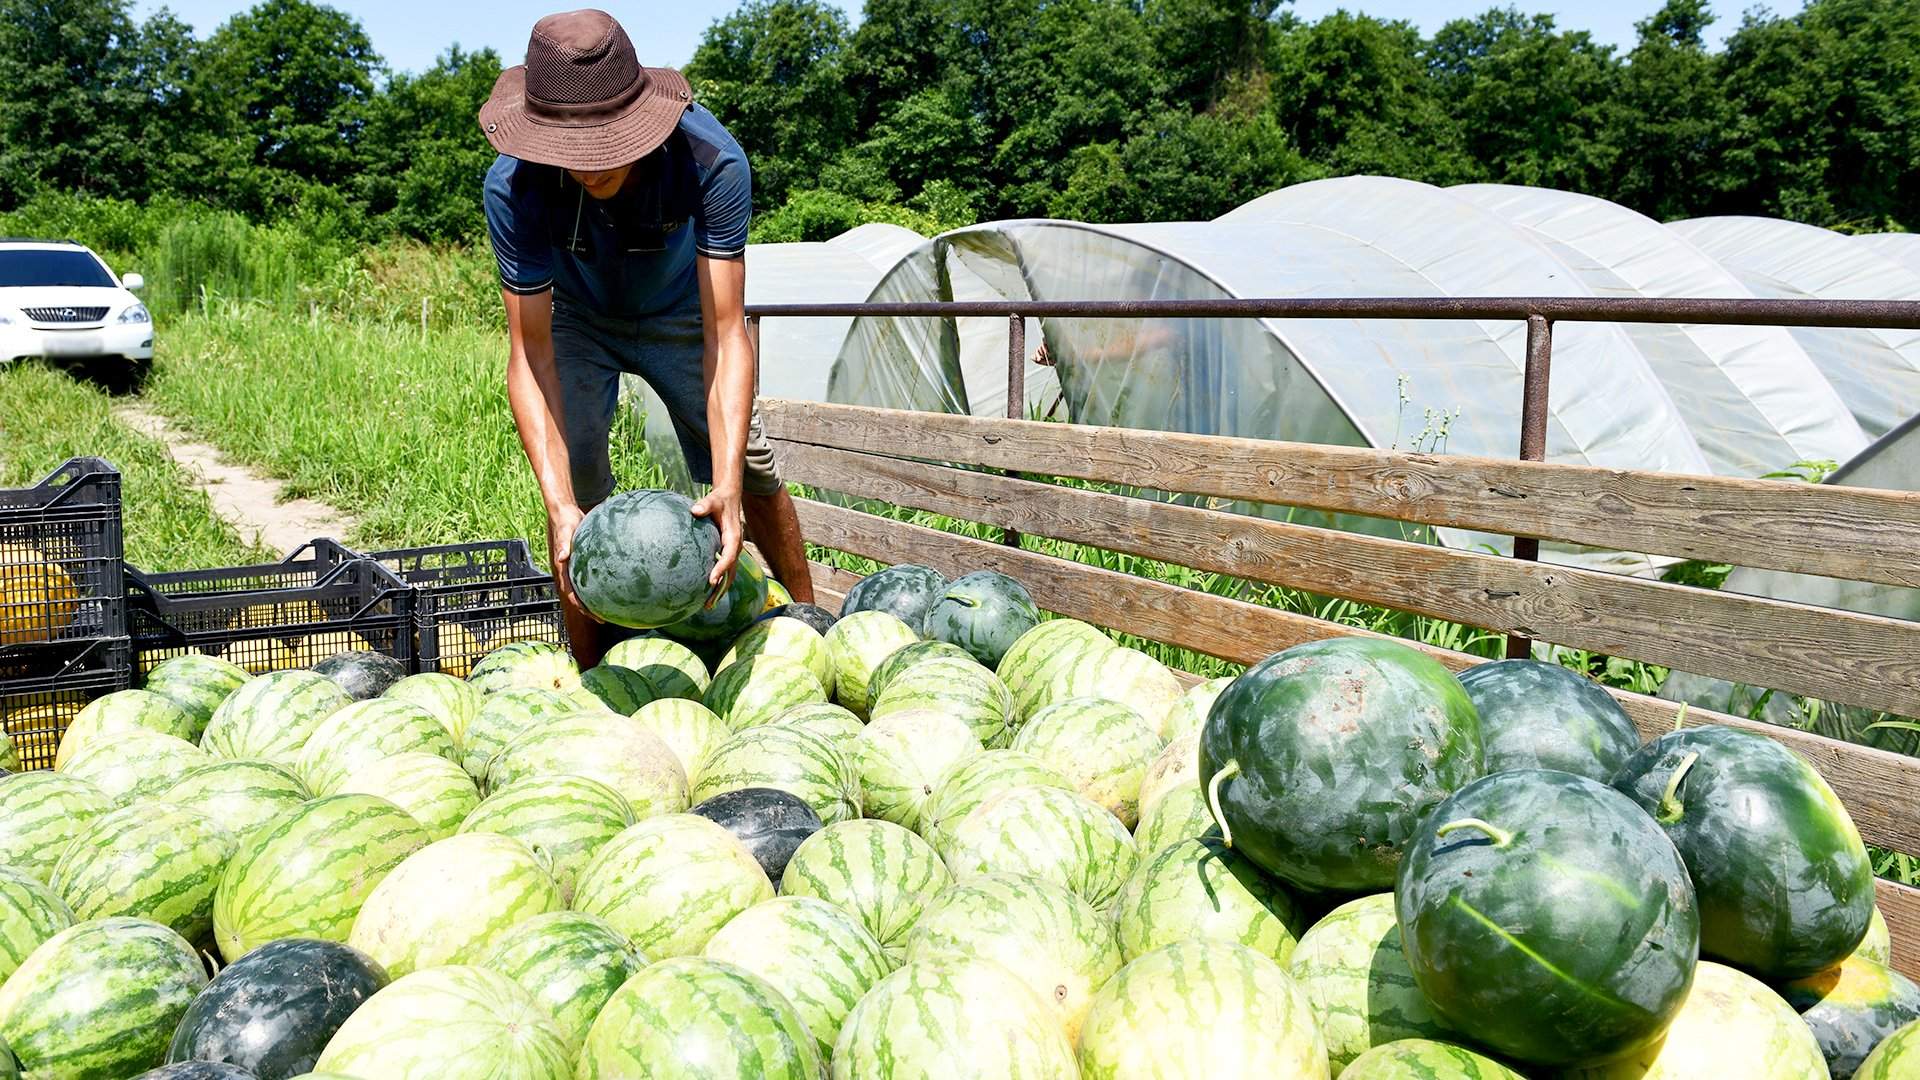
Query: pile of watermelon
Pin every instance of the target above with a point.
(934, 835)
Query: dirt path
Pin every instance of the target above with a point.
(243, 498)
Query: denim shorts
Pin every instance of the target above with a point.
(591, 351)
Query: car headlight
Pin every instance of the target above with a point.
(136, 314)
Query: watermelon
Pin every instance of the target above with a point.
(501, 718)
(959, 687)
(876, 871)
(1539, 964)
(752, 692)
(1425, 1059)
(641, 559)
(39, 812)
(617, 689)
(1784, 884)
(1177, 763)
(815, 954)
(694, 1017)
(135, 763)
(1127, 676)
(1851, 1007)
(813, 615)
(563, 819)
(1896, 1058)
(907, 592)
(670, 667)
(154, 861)
(365, 732)
(241, 795)
(969, 782)
(1029, 668)
(1356, 977)
(1052, 940)
(434, 791)
(1047, 833)
(1535, 715)
(689, 728)
(30, 913)
(272, 1011)
(452, 701)
(788, 638)
(905, 657)
(788, 759)
(858, 644)
(362, 675)
(1178, 814)
(777, 595)
(445, 903)
(196, 683)
(733, 612)
(955, 1018)
(1878, 944)
(1321, 760)
(830, 722)
(1101, 747)
(1190, 715)
(450, 1023)
(197, 1070)
(269, 718)
(771, 823)
(599, 746)
(669, 882)
(306, 872)
(526, 665)
(1202, 1008)
(984, 612)
(1200, 890)
(124, 710)
(1731, 1025)
(900, 756)
(9, 755)
(99, 1000)
(570, 962)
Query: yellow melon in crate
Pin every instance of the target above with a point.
(37, 596)
(458, 648)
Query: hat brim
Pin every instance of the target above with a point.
(604, 143)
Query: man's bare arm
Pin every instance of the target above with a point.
(533, 392)
(728, 366)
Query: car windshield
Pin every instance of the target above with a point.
(39, 267)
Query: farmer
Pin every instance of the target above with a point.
(618, 211)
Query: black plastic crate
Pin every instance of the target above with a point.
(471, 598)
(62, 556)
(36, 708)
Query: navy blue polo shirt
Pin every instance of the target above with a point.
(632, 255)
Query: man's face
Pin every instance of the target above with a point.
(601, 185)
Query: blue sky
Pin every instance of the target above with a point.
(410, 33)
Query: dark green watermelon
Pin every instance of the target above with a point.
(362, 674)
(771, 823)
(813, 615)
(1545, 916)
(197, 1070)
(641, 559)
(1851, 1007)
(272, 1011)
(905, 657)
(1535, 715)
(984, 612)
(1784, 883)
(1320, 761)
(744, 601)
(906, 592)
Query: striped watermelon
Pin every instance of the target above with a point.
(1895, 1058)
(570, 962)
(526, 665)
(501, 718)
(1202, 1008)
(689, 728)
(1425, 1059)
(969, 783)
(9, 754)
(196, 683)
(817, 955)
(1127, 676)
(1047, 833)
(599, 746)
(1358, 981)
(1190, 714)
(952, 1019)
(907, 656)
(831, 722)
(875, 871)
(365, 732)
(1203, 890)
(614, 688)
(30, 913)
(751, 692)
(1178, 814)
(269, 718)
(1055, 942)
(99, 1000)
(432, 790)
(900, 755)
(1101, 746)
(1730, 1025)
(242, 795)
(39, 812)
(1042, 653)
(858, 644)
(694, 1017)
(135, 763)
(671, 667)
(960, 687)
(790, 639)
(124, 710)
(452, 701)
(564, 819)
(1878, 944)
(306, 872)
(786, 759)
(670, 882)
(448, 901)
(153, 861)
(1177, 763)
(449, 1023)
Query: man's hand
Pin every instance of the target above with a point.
(562, 522)
(722, 507)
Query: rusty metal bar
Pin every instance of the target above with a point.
(753, 338)
(1533, 439)
(1016, 388)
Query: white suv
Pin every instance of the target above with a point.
(58, 300)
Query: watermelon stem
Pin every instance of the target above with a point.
(1500, 837)
(1231, 769)
(1680, 717)
(1671, 807)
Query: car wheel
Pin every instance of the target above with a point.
(119, 375)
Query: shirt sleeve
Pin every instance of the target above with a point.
(516, 224)
(726, 205)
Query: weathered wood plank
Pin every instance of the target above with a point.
(1835, 531)
(1872, 783)
(1838, 656)
(1901, 906)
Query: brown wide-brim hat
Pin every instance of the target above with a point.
(583, 100)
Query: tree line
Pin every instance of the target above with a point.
(935, 113)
